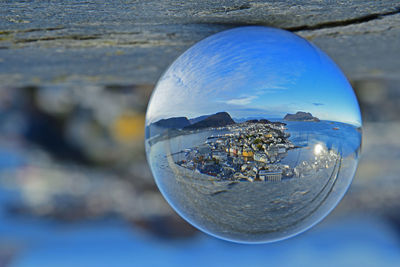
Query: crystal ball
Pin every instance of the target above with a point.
(253, 134)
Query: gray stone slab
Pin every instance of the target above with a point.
(132, 42)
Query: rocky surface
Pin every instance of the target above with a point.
(132, 42)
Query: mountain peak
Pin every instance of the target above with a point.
(218, 119)
(300, 116)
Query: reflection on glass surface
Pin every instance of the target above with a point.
(253, 134)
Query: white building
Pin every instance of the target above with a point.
(273, 176)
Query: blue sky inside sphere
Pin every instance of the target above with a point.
(254, 72)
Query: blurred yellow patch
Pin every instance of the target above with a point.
(129, 127)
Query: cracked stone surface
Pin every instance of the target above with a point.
(132, 42)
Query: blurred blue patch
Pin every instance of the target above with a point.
(9, 159)
(350, 242)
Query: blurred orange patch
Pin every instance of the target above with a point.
(129, 127)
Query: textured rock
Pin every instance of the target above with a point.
(132, 42)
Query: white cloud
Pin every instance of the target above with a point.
(241, 101)
(219, 75)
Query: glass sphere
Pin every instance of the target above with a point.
(253, 134)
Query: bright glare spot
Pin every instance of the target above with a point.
(318, 149)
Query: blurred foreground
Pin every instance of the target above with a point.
(75, 188)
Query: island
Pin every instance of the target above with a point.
(300, 116)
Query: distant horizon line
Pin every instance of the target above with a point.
(234, 118)
(271, 117)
